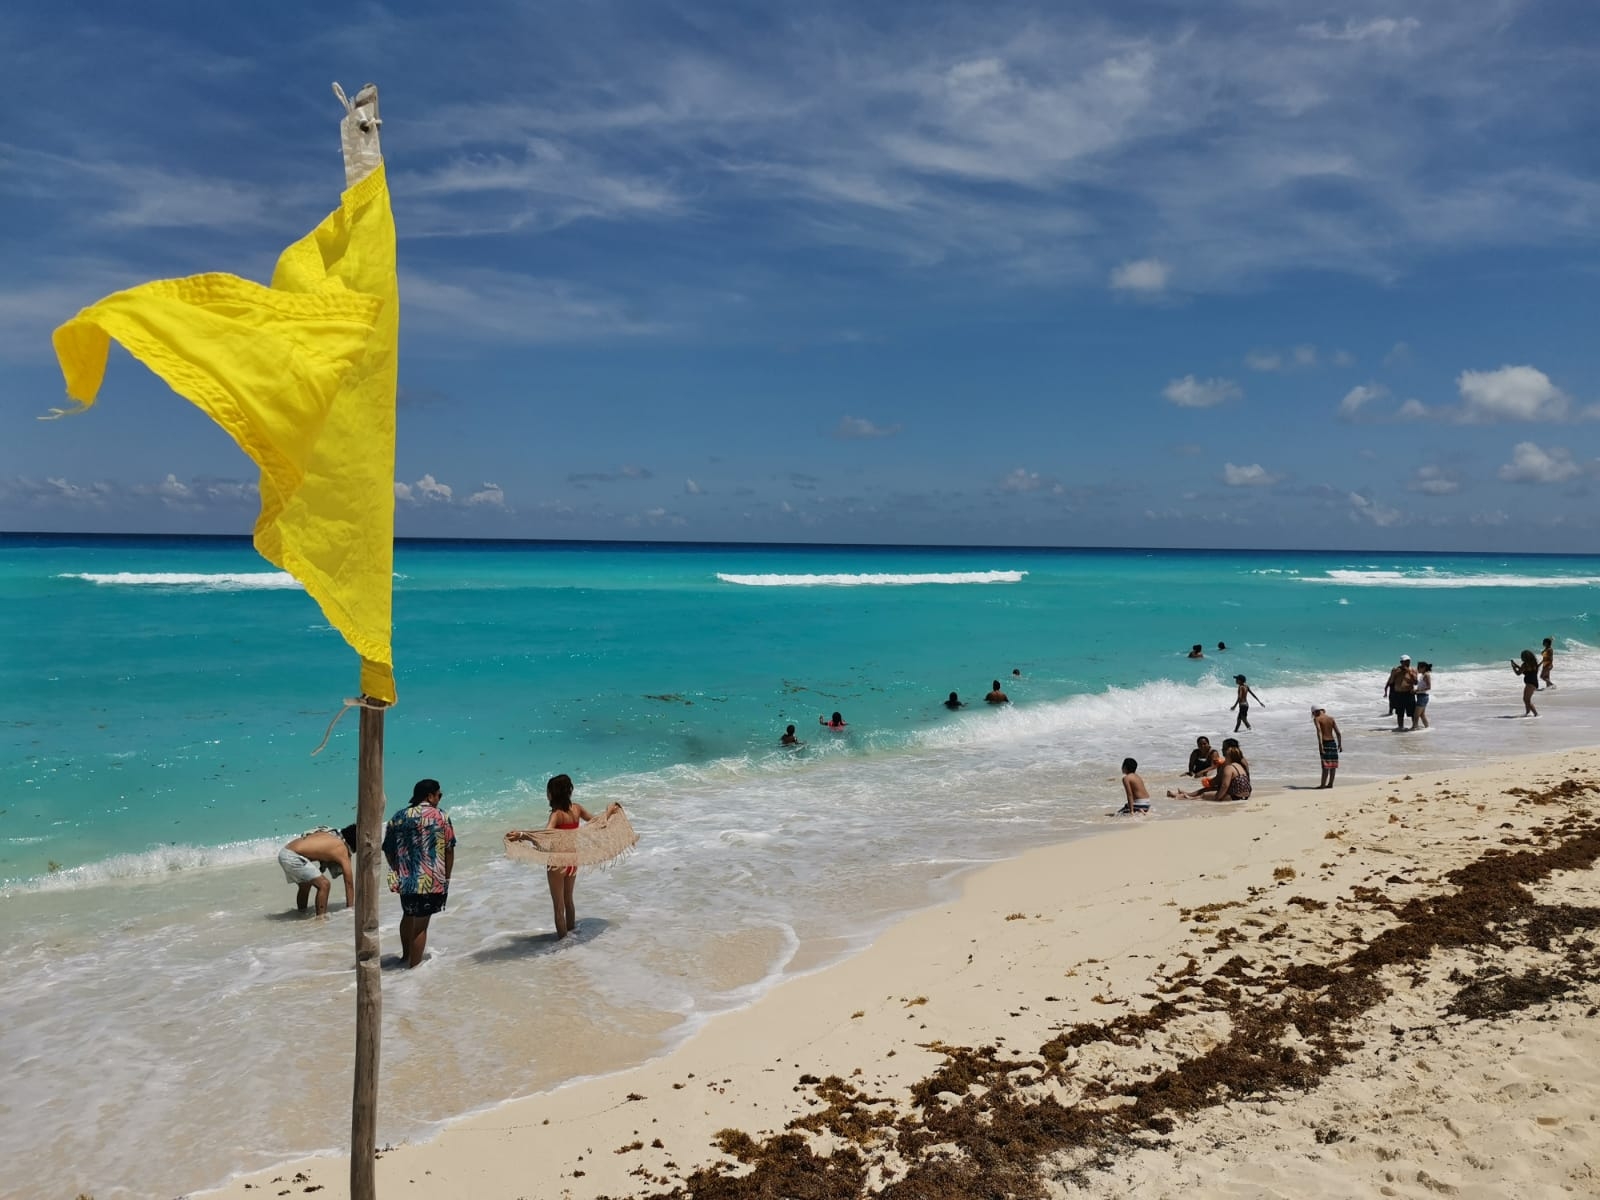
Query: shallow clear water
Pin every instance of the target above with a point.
(161, 698)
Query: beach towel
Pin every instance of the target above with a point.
(602, 841)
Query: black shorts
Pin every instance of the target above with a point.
(423, 904)
(1405, 704)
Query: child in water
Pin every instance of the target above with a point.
(1133, 789)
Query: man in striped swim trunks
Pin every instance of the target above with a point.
(1330, 742)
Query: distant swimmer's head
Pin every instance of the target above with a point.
(1222, 645)
(1017, 671)
(1129, 766)
(995, 685)
(425, 789)
(836, 719)
(954, 698)
(789, 729)
(559, 792)
(348, 833)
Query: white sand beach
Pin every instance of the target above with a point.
(1316, 993)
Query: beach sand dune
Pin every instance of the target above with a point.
(1380, 990)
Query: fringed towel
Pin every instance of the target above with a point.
(601, 841)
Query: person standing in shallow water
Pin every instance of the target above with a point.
(1243, 703)
(566, 813)
(420, 845)
(311, 858)
(1528, 668)
(1547, 660)
(1330, 744)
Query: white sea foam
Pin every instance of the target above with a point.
(240, 581)
(872, 580)
(1428, 578)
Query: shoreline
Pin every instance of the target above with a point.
(1061, 933)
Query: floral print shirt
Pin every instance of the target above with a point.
(414, 843)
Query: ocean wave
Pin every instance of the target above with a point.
(872, 580)
(241, 581)
(163, 860)
(1444, 579)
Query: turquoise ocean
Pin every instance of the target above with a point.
(160, 699)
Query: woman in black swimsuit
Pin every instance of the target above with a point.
(1528, 668)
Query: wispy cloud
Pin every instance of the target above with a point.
(1433, 481)
(1142, 277)
(853, 428)
(1190, 392)
(1253, 475)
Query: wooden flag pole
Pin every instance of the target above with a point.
(358, 138)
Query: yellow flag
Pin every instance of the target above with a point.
(302, 375)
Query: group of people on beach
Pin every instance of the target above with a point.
(419, 841)
(419, 844)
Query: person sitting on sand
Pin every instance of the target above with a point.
(1330, 742)
(1245, 695)
(996, 696)
(312, 857)
(1211, 788)
(789, 739)
(1202, 758)
(835, 723)
(1197, 652)
(1528, 668)
(955, 702)
(1135, 794)
(1231, 783)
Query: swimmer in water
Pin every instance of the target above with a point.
(955, 702)
(789, 739)
(835, 723)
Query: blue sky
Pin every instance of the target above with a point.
(1235, 274)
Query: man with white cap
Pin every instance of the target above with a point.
(1402, 689)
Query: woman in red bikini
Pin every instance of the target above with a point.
(565, 813)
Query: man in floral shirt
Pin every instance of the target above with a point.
(420, 844)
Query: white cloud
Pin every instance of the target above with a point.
(1304, 356)
(1370, 510)
(1190, 392)
(1370, 30)
(1412, 410)
(1264, 360)
(1343, 358)
(426, 490)
(1520, 393)
(852, 428)
(1433, 481)
(1254, 475)
(1020, 479)
(691, 488)
(1358, 397)
(172, 491)
(1144, 276)
(491, 495)
(1530, 464)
